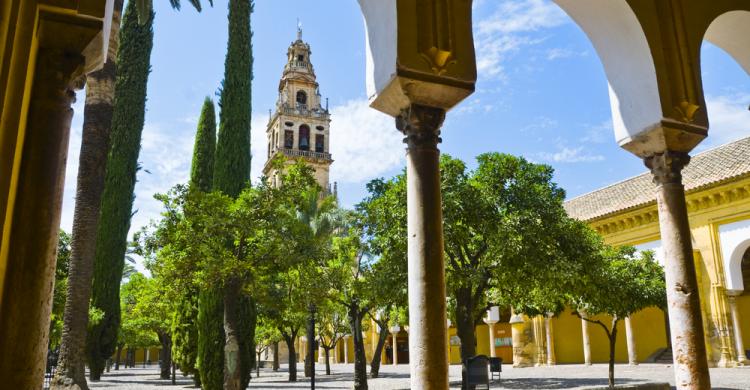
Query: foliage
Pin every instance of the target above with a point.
(622, 283)
(202, 168)
(232, 174)
(133, 60)
(60, 290)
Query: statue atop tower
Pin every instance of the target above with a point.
(299, 127)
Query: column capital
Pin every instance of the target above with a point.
(421, 125)
(667, 166)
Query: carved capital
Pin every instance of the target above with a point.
(421, 125)
(667, 166)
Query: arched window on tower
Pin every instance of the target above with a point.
(319, 143)
(288, 139)
(301, 99)
(304, 137)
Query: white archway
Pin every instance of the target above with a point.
(730, 32)
(734, 239)
(621, 45)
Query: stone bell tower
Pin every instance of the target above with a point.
(299, 127)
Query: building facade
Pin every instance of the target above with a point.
(299, 127)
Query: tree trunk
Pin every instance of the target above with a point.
(128, 117)
(275, 356)
(257, 366)
(97, 121)
(612, 339)
(328, 362)
(310, 358)
(232, 374)
(119, 355)
(174, 372)
(465, 323)
(292, 357)
(165, 355)
(376, 357)
(360, 360)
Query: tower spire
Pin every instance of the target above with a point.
(299, 30)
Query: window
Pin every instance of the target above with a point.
(269, 149)
(301, 58)
(288, 139)
(304, 137)
(301, 97)
(319, 143)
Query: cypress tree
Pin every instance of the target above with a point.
(133, 59)
(185, 325)
(209, 324)
(231, 175)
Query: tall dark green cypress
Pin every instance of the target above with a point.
(133, 59)
(209, 324)
(186, 329)
(231, 175)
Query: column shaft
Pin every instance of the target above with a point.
(32, 240)
(493, 353)
(630, 339)
(586, 341)
(395, 349)
(690, 365)
(551, 358)
(427, 316)
(346, 350)
(741, 358)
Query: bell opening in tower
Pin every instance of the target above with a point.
(304, 137)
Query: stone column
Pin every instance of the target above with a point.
(551, 358)
(346, 349)
(493, 352)
(690, 365)
(539, 339)
(321, 354)
(32, 239)
(630, 339)
(427, 308)
(523, 349)
(394, 350)
(586, 341)
(741, 358)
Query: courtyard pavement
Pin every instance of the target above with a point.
(391, 378)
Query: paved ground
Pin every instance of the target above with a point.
(558, 377)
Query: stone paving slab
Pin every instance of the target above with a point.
(392, 378)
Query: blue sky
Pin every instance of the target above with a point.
(541, 94)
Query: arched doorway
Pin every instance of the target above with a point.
(742, 310)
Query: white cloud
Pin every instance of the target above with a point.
(560, 53)
(599, 133)
(571, 155)
(728, 117)
(364, 143)
(510, 28)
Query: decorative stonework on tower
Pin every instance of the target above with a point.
(299, 127)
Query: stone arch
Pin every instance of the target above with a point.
(730, 32)
(734, 273)
(622, 47)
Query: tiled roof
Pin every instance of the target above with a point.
(708, 168)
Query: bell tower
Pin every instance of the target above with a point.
(299, 128)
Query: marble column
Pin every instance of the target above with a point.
(586, 341)
(493, 352)
(739, 345)
(394, 351)
(32, 239)
(539, 340)
(551, 358)
(346, 349)
(688, 346)
(630, 339)
(427, 308)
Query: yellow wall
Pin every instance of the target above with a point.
(649, 330)
(568, 339)
(743, 306)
